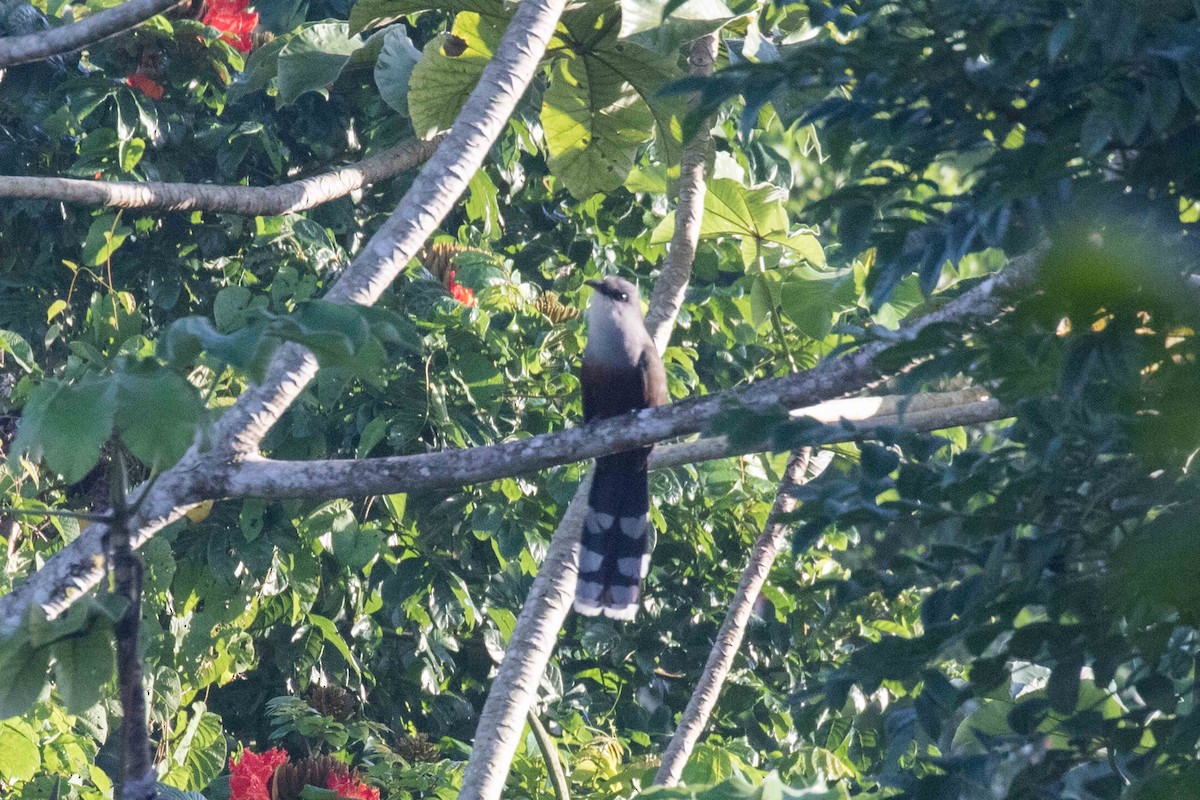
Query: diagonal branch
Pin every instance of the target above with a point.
(89, 30)
(256, 200)
(801, 468)
(672, 282)
(201, 474)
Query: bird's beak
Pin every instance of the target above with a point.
(594, 284)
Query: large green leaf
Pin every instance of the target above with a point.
(754, 214)
(19, 754)
(812, 299)
(371, 13)
(394, 68)
(594, 123)
(699, 16)
(313, 59)
(648, 73)
(82, 666)
(24, 668)
(198, 754)
(68, 424)
(450, 66)
(156, 415)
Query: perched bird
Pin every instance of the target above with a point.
(622, 372)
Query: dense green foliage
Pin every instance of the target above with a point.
(1006, 610)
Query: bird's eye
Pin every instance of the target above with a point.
(624, 296)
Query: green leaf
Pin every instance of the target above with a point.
(594, 123)
(313, 59)
(331, 634)
(394, 68)
(20, 757)
(157, 414)
(230, 308)
(82, 667)
(199, 752)
(450, 66)
(694, 18)
(372, 13)
(812, 299)
(262, 67)
(647, 72)
(171, 793)
(19, 349)
(25, 669)
(755, 214)
(104, 236)
(67, 425)
(762, 299)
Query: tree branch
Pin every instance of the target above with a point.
(729, 637)
(89, 30)
(137, 766)
(255, 200)
(447, 469)
(201, 474)
(558, 778)
(672, 282)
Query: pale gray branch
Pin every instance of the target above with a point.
(676, 272)
(729, 637)
(446, 469)
(256, 200)
(89, 30)
(201, 474)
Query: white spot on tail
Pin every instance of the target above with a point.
(635, 527)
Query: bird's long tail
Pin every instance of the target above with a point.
(614, 552)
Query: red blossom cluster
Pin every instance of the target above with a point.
(459, 292)
(250, 778)
(234, 19)
(145, 84)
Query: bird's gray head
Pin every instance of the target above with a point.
(614, 318)
(615, 290)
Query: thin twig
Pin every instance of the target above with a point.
(558, 778)
(729, 637)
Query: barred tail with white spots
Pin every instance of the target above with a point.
(614, 551)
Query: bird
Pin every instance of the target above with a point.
(622, 372)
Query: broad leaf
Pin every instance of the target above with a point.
(199, 752)
(156, 415)
(449, 68)
(313, 59)
(20, 757)
(372, 13)
(812, 299)
(68, 424)
(394, 69)
(594, 122)
(82, 666)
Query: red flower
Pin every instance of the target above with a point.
(234, 19)
(250, 778)
(146, 85)
(461, 293)
(346, 785)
